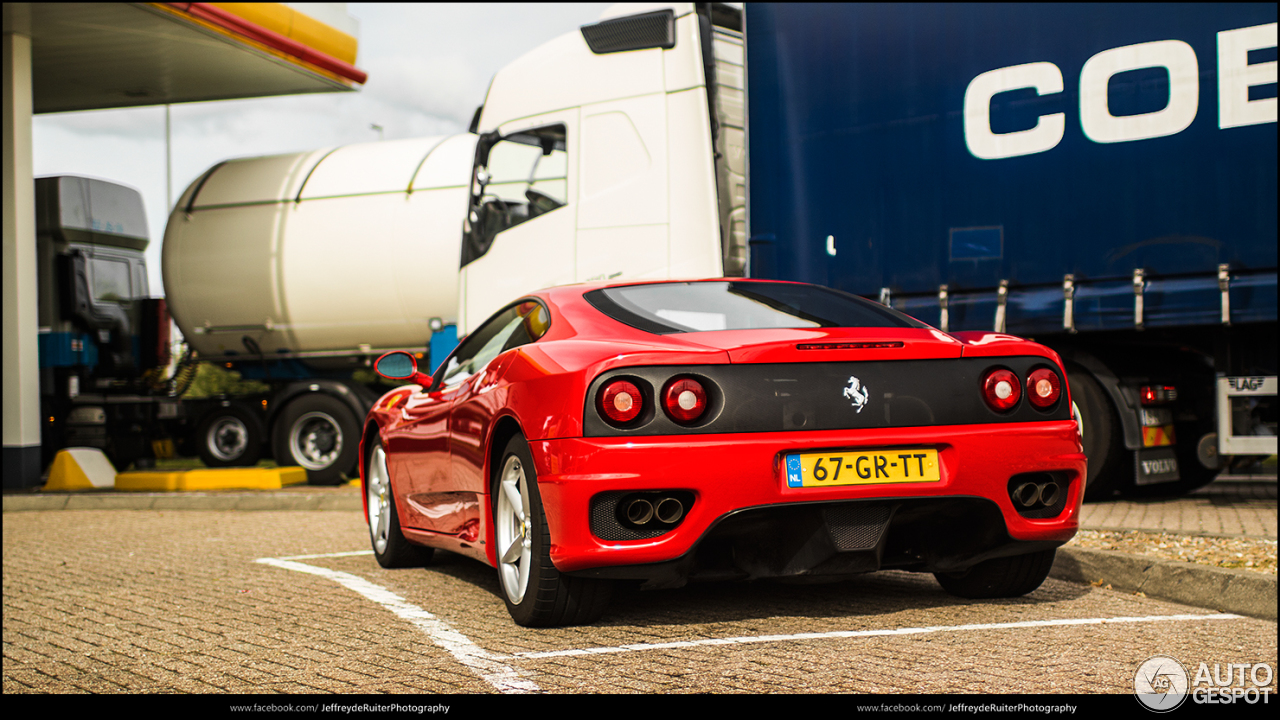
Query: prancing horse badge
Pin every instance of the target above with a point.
(857, 393)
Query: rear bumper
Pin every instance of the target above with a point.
(745, 521)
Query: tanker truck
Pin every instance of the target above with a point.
(294, 270)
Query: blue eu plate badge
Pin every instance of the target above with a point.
(793, 471)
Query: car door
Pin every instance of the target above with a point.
(418, 459)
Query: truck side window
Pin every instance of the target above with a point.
(517, 178)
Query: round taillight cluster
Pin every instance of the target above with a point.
(1043, 387)
(620, 402)
(685, 400)
(1002, 389)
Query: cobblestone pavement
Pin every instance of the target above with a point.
(1221, 508)
(129, 601)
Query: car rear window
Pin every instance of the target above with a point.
(665, 308)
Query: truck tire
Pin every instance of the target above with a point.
(1109, 465)
(319, 433)
(230, 436)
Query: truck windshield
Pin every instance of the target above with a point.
(665, 308)
(110, 279)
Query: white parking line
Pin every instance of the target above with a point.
(489, 666)
(326, 555)
(483, 663)
(862, 633)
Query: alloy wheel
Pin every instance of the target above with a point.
(514, 530)
(379, 497)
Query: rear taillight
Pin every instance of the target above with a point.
(1001, 390)
(685, 400)
(1043, 387)
(620, 402)
(1158, 394)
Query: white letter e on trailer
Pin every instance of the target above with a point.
(1236, 76)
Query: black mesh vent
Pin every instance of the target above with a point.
(606, 526)
(637, 32)
(856, 527)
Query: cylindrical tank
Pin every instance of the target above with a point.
(347, 250)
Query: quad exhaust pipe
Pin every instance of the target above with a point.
(1031, 495)
(664, 509)
(669, 511)
(639, 511)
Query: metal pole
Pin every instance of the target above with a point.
(168, 163)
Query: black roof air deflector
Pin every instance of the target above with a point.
(634, 32)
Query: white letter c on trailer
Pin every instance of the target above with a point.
(1045, 78)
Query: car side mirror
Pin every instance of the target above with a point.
(400, 365)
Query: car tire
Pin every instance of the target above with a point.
(1000, 577)
(1109, 461)
(319, 433)
(536, 594)
(230, 436)
(390, 547)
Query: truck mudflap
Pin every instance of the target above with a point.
(1156, 461)
(1153, 466)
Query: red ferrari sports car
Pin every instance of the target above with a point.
(722, 429)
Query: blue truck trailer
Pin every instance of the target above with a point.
(1099, 177)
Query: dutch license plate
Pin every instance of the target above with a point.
(861, 468)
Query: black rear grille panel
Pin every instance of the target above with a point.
(856, 527)
(822, 396)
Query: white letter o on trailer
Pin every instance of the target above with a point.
(1045, 78)
(1177, 57)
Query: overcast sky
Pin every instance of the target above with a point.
(429, 66)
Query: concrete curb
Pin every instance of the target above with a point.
(1235, 591)
(348, 502)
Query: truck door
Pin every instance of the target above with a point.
(519, 231)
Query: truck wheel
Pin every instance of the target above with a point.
(1100, 428)
(230, 436)
(319, 433)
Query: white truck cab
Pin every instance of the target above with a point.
(614, 151)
